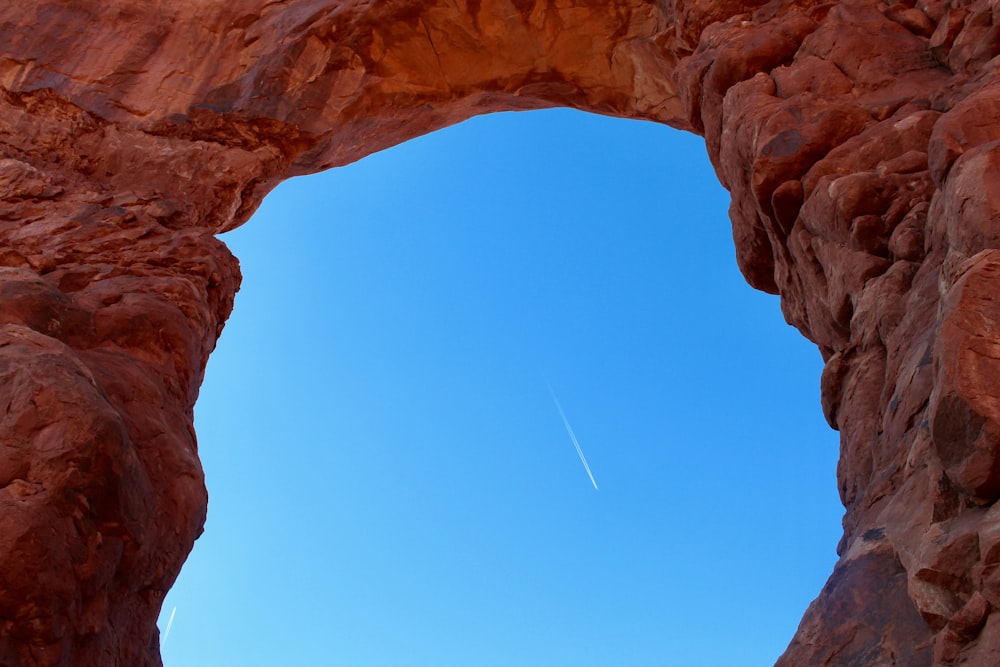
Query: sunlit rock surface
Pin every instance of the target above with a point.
(860, 141)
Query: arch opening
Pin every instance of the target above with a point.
(399, 489)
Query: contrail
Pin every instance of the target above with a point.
(572, 436)
(170, 621)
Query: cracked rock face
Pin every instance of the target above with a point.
(860, 141)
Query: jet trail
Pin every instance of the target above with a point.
(166, 633)
(572, 436)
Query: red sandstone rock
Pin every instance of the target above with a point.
(859, 140)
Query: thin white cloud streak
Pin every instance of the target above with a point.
(572, 436)
(170, 621)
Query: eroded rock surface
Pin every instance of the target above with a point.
(860, 141)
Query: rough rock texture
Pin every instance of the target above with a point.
(860, 141)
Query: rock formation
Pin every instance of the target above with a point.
(860, 141)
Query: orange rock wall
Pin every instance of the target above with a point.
(860, 141)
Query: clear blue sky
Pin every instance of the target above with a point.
(391, 483)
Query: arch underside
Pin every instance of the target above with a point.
(858, 139)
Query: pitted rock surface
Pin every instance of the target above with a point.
(860, 141)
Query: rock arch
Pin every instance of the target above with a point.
(858, 140)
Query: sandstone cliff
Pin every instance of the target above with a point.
(860, 141)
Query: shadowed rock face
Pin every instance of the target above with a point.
(860, 141)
